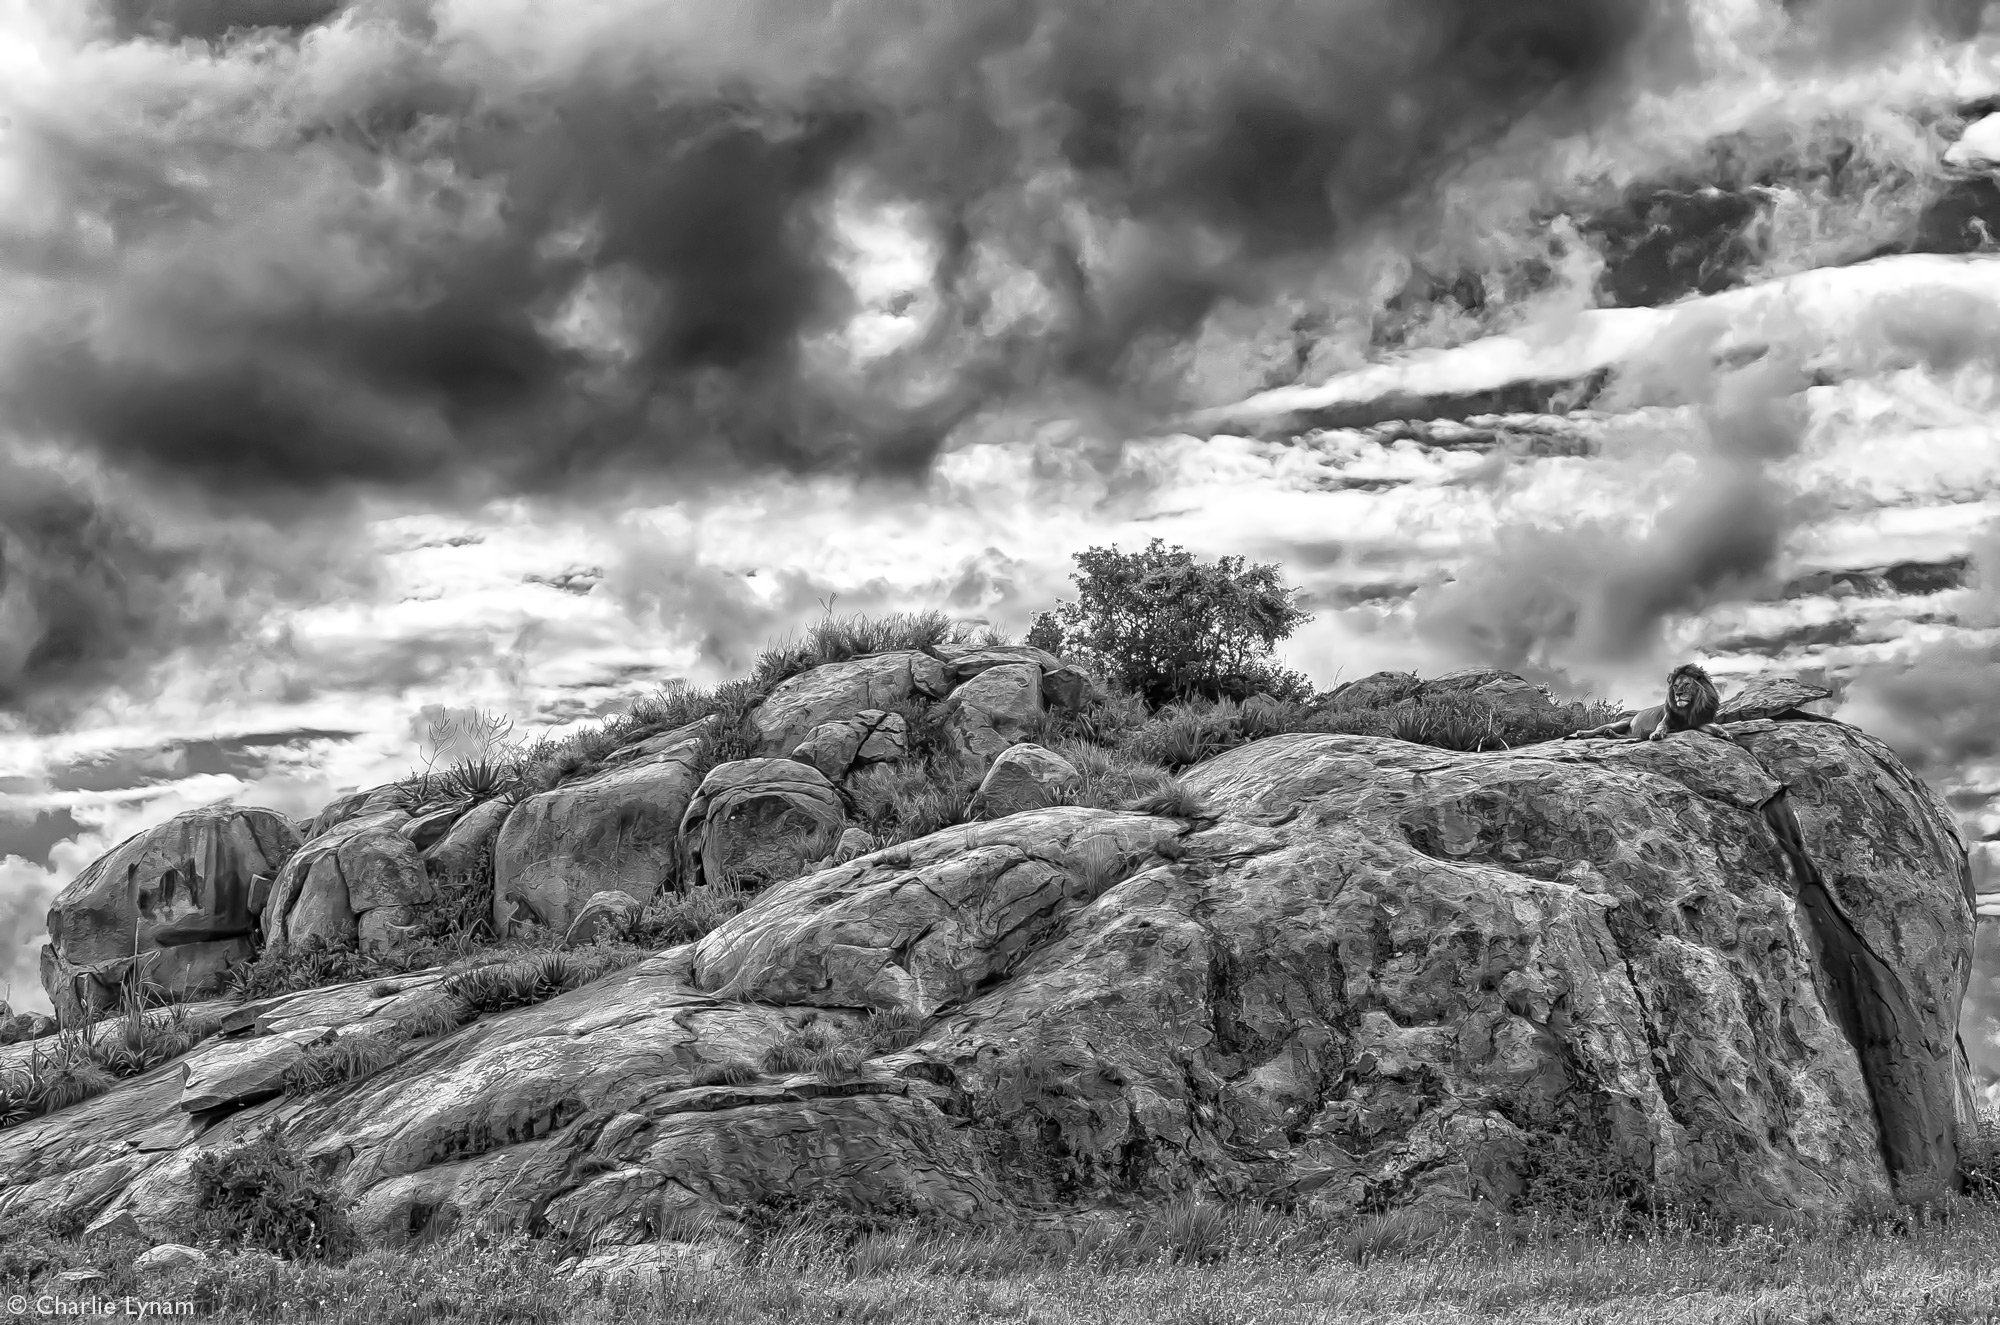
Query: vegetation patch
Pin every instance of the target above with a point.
(84, 1061)
(260, 1195)
(733, 1073)
(684, 916)
(1167, 627)
(348, 1058)
(536, 977)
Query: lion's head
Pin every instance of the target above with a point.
(1691, 696)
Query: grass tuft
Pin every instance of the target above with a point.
(1175, 800)
(733, 1073)
(535, 977)
(348, 1058)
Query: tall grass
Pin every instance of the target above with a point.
(85, 1060)
(834, 639)
(1182, 1262)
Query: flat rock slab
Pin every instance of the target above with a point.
(1771, 697)
(237, 1072)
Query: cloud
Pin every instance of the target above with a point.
(1938, 706)
(1544, 600)
(26, 889)
(97, 582)
(453, 250)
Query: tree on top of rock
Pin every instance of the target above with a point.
(1168, 627)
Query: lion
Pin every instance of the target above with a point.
(1692, 702)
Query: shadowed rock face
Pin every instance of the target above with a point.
(754, 820)
(186, 889)
(1377, 974)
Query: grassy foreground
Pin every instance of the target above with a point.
(1188, 1269)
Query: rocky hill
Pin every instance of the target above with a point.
(1337, 970)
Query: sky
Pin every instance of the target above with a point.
(363, 359)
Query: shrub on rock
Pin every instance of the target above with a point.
(261, 1196)
(1168, 627)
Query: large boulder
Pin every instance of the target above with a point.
(368, 800)
(605, 918)
(1063, 686)
(20, 1027)
(869, 737)
(359, 885)
(464, 851)
(756, 821)
(616, 829)
(1376, 690)
(997, 708)
(1503, 691)
(843, 690)
(1377, 974)
(188, 890)
(1023, 778)
(1773, 697)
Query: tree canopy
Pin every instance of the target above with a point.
(1167, 626)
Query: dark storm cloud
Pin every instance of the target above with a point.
(174, 20)
(328, 250)
(95, 580)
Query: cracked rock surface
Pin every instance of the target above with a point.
(1375, 974)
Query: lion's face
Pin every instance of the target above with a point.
(1682, 694)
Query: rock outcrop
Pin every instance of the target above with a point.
(606, 917)
(469, 841)
(869, 737)
(20, 1027)
(617, 828)
(1063, 686)
(843, 690)
(354, 804)
(1772, 697)
(1023, 777)
(996, 708)
(755, 821)
(356, 886)
(1375, 974)
(188, 892)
